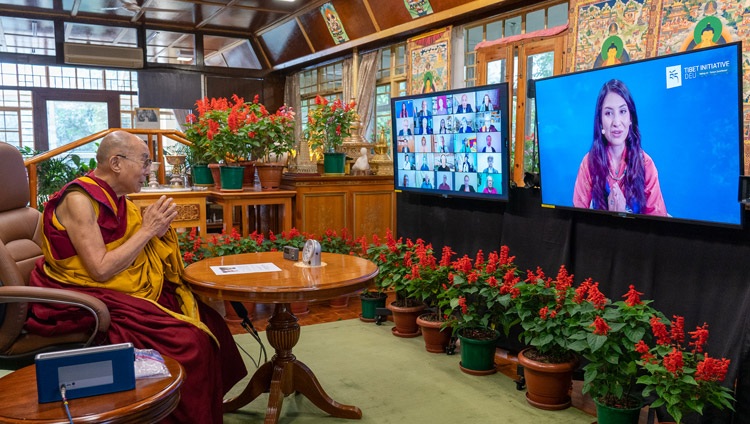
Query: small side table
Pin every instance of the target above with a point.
(152, 400)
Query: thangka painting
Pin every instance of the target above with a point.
(418, 8)
(692, 24)
(611, 32)
(333, 22)
(428, 62)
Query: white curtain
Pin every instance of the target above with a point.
(366, 92)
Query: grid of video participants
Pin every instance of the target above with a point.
(450, 142)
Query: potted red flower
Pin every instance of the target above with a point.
(679, 373)
(478, 306)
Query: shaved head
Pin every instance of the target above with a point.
(114, 143)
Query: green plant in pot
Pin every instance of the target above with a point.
(678, 373)
(551, 318)
(274, 136)
(427, 281)
(609, 332)
(328, 123)
(224, 132)
(394, 260)
(478, 308)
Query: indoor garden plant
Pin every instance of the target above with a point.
(328, 123)
(394, 259)
(610, 332)
(274, 136)
(679, 373)
(428, 278)
(549, 310)
(478, 308)
(225, 128)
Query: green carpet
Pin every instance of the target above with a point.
(394, 380)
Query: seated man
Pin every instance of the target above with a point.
(96, 241)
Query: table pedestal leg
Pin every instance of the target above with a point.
(284, 374)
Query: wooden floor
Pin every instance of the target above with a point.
(320, 312)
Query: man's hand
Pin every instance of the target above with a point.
(158, 216)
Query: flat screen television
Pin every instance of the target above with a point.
(658, 138)
(452, 143)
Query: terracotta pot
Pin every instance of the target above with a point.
(270, 175)
(230, 315)
(436, 340)
(547, 385)
(249, 178)
(300, 308)
(405, 320)
(339, 302)
(216, 173)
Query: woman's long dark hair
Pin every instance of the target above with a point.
(599, 161)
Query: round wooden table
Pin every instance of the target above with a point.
(283, 374)
(152, 400)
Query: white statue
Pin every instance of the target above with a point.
(361, 164)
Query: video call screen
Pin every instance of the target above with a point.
(453, 143)
(685, 110)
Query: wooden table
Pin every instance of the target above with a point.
(191, 206)
(244, 199)
(283, 374)
(152, 399)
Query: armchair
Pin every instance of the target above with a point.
(20, 248)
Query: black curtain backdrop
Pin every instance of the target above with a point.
(699, 272)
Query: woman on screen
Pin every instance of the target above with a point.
(443, 129)
(616, 174)
(486, 105)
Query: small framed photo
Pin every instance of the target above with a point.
(146, 117)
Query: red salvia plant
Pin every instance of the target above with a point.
(682, 376)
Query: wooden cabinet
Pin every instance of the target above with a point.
(191, 206)
(364, 205)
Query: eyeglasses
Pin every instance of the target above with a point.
(145, 164)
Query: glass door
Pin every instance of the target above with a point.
(518, 63)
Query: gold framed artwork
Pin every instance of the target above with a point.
(429, 68)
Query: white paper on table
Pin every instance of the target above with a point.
(244, 268)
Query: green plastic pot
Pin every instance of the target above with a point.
(231, 178)
(370, 304)
(202, 176)
(478, 356)
(609, 415)
(333, 163)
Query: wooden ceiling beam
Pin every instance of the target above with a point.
(423, 23)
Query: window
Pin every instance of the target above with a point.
(391, 82)
(506, 26)
(16, 117)
(325, 80)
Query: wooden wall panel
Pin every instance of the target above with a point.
(323, 211)
(368, 213)
(284, 43)
(365, 205)
(388, 17)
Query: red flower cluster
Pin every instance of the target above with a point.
(632, 297)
